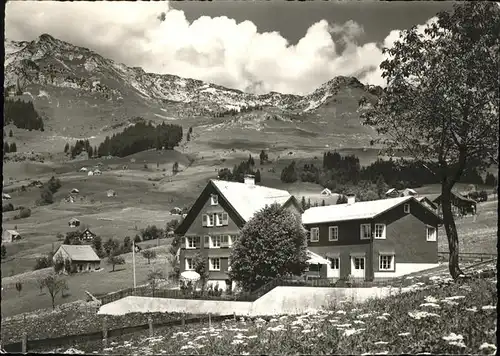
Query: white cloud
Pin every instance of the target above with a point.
(217, 50)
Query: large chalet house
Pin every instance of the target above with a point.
(375, 239)
(216, 218)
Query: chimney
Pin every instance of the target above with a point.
(249, 179)
(351, 198)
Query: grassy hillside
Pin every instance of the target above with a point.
(437, 317)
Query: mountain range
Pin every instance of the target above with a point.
(79, 91)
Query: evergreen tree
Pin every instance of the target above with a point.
(303, 203)
(309, 203)
(381, 186)
(263, 157)
(10, 133)
(66, 147)
(175, 168)
(257, 176)
(22, 114)
(323, 203)
(289, 174)
(250, 161)
(490, 180)
(13, 147)
(6, 147)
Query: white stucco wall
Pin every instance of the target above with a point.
(281, 300)
(406, 268)
(164, 305)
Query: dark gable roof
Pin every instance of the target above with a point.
(241, 207)
(209, 189)
(457, 196)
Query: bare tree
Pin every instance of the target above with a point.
(154, 277)
(149, 255)
(41, 283)
(19, 287)
(55, 285)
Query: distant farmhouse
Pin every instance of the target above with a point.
(408, 192)
(326, 192)
(111, 193)
(82, 257)
(10, 236)
(6, 196)
(215, 219)
(374, 239)
(392, 193)
(74, 222)
(74, 191)
(83, 169)
(176, 211)
(95, 172)
(460, 205)
(88, 235)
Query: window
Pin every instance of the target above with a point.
(359, 263)
(335, 263)
(215, 264)
(216, 241)
(431, 233)
(366, 231)
(191, 242)
(218, 219)
(333, 233)
(189, 264)
(315, 234)
(211, 218)
(380, 231)
(225, 219)
(386, 263)
(214, 199)
(406, 208)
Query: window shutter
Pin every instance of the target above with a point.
(207, 241)
(225, 219)
(183, 243)
(223, 242)
(204, 219)
(197, 241)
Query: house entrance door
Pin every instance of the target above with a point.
(358, 267)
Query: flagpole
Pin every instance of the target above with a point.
(133, 259)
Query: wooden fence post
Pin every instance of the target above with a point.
(104, 332)
(150, 322)
(209, 320)
(24, 344)
(183, 319)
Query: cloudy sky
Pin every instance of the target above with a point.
(261, 46)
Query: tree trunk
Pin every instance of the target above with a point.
(53, 302)
(451, 231)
